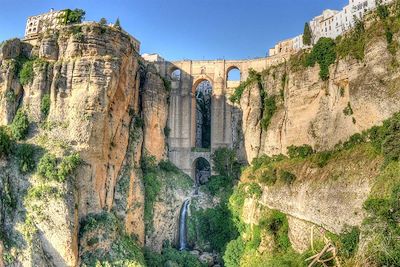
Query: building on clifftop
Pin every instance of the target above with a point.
(40, 23)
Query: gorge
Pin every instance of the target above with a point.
(109, 158)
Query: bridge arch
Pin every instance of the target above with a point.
(201, 170)
(175, 73)
(233, 73)
(202, 103)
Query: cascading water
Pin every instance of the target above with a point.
(182, 226)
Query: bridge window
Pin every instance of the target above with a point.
(202, 171)
(203, 95)
(233, 74)
(176, 75)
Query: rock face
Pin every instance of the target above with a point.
(155, 111)
(93, 77)
(312, 111)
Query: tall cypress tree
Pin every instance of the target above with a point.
(307, 35)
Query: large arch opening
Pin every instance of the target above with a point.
(233, 74)
(175, 74)
(203, 94)
(202, 171)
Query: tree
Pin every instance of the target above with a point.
(72, 16)
(307, 35)
(117, 24)
(103, 21)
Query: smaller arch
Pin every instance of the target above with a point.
(233, 73)
(175, 74)
(201, 170)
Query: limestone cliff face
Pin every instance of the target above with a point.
(93, 76)
(155, 111)
(312, 110)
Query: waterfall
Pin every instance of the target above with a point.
(183, 227)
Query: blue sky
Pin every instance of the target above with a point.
(186, 29)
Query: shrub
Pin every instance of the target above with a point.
(352, 44)
(225, 162)
(277, 225)
(233, 253)
(152, 187)
(26, 73)
(383, 11)
(103, 21)
(254, 190)
(287, 177)
(47, 167)
(170, 257)
(300, 151)
(268, 111)
(25, 156)
(254, 77)
(72, 16)
(216, 227)
(322, 158)
(5, 142)
(167, 131)
(20, 125)
(45, 105)
(323, 53)
(349, 241)
(68, 166)
(218, 182)
(168, 166)
(268, 175)
(348, 111)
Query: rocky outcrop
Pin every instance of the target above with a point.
(312, 111)
(93, 76)
(155, 111)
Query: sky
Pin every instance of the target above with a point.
(186, 29)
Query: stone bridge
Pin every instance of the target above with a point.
(182, 112)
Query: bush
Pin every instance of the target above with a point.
(352, 44)
(349, 240)
(68, 166)
(45, 105)
(323, 53)
(254, 77)
(47, 167)
(25, 156)
(348, 111)
(383, 11)
(5, 142)
(152, 187)
(225, 162)
(268, 175)
(216, 227)
(168, 166)
(72, 16)
(268, 111)
(233, 253)
(254, 190)
(170, 257)
(26, 73)
(322, 158)
(300, 151)
(288, 177)
(20, 125)
(277, 225)
(218, 182)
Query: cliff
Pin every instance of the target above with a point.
(97, 89)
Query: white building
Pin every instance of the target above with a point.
(331, 24)
(40, 23)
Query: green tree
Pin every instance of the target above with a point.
(20, 125)
(5, 142)
(225, 162)
(233, 253)
(117, 24)
(103, 21)
(72, 16)
(25, 155)
(307, 35)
